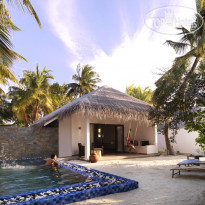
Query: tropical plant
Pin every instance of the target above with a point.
(172, 99)
(86, 81)
(2, 96)
(6, 114)
(59, 95)
(7, 55)
(192, 43)
(33, 100)
(196, 122)
(23, 5)
(144, 94)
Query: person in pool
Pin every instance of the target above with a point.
(130, 142)
(52, 161)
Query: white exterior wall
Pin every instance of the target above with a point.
(141, 130)
(65, 137)
(78, 131)
(185, 142)
(75, 126)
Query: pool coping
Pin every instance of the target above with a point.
(102, 184)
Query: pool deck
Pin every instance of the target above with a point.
(119, 156)
(114, 156)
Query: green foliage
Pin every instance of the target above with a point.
(144, 94)
(6, 113)
(33, 100)
(178, 152)
(86, 81)
(181, 87)
(7, 55)
(25, 5)
(196, 122)
(175, 95)
(59, 95)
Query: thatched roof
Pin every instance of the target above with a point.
(105, 101)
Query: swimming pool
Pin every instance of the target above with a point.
(102, 184)
(29, 175)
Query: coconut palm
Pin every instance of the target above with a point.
(7, 55)
(7, 26)
(24, 5)
(2, 96)
(85, 81)
(192, 43)
(144, 94)
(172, 86)
(170, 99)
(59, 95)
(33, 100)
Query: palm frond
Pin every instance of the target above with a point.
(26, 5)
(5, 73)
(178, 46)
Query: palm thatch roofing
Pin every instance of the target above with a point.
(103, 102)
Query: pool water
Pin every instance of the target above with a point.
(29, 175)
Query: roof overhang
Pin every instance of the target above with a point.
(51, 120)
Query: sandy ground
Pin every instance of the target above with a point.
(156, 185)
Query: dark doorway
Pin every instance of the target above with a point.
(110, 137)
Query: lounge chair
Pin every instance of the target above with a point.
(195, 156)
(188, 165)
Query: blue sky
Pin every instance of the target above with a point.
(110, 35)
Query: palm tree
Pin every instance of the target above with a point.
(24, 5)
(192, 40)
(33, 100)
(6, 114)
(2, 96)
(144, 94)
(85, 81)
(170, 97)
(5, 75)
(7, 55)
(59, 95)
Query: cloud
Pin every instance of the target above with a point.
(134, 60)
(70, 27)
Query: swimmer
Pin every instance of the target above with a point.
(52, 160)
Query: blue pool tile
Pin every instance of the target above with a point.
(102, 184)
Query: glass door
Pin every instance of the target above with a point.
(98, 136)
(119, 138)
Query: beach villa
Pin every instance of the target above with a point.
(102, 119)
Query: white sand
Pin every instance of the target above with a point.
(156, 185)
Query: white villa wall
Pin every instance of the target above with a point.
(65, 137)
(72, 131)
(78, 132)
(185, 142)
(141, 131)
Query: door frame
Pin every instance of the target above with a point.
(116, 139)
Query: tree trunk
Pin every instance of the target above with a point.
(182, 87)
(170, 150)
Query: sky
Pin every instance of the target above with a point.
(122, 39)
